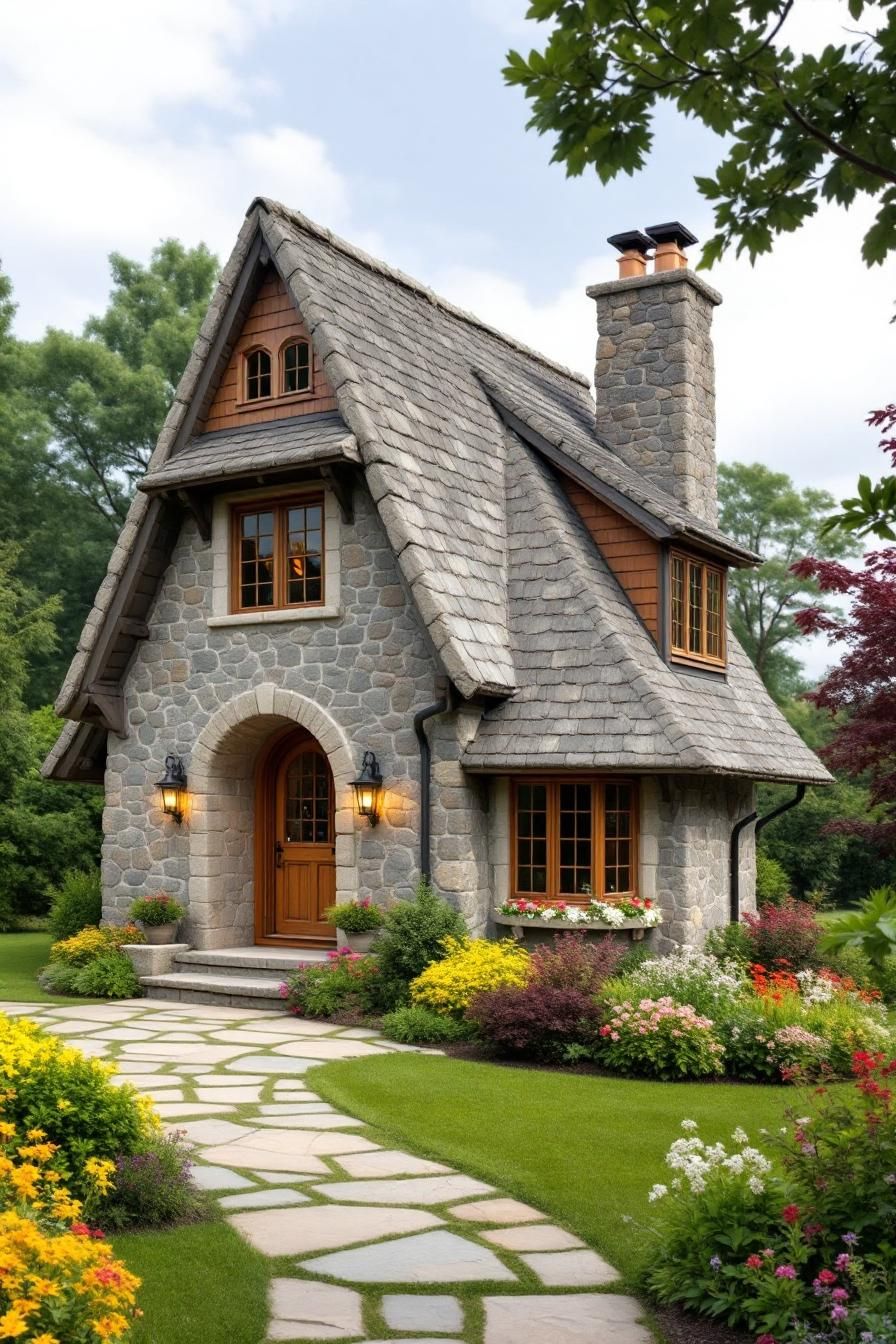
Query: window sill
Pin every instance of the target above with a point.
(274, 617)
(263, 403)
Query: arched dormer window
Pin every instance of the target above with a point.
(258, 375)
(295, 365)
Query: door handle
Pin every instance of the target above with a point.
(278, 855)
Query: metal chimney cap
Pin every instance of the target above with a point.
(634, 241)
(673, 232)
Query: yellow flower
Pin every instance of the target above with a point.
(7, 1131)
(35, 1135)
(12, 1324)
(470, 965)
(63, 1104)
(44, 1338)
(111, 1326)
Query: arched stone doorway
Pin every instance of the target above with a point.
(223, 773)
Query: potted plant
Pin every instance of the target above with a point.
(357, 923)
(159, 916)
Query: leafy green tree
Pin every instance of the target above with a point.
(872, 511)
(765, 511)
(800, 128)
(105, 393)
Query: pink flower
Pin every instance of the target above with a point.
(842, 1262)
(766, 1339)
(839, 1314)
(840, 1295)
(785, 1272)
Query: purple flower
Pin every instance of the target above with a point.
(785, 1272)
(839, 1314)
(850, 1238)
(715, 1263)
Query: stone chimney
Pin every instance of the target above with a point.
(654, 376)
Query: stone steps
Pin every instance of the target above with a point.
(236, 977)
(230, 990)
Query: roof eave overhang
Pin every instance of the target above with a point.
(635, 513)
(80, 757)
(645, 771)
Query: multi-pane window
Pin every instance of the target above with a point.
(574, 839)
(296, 363)
(278, 555)
(308, 800)
(258, 375)
(696, 609)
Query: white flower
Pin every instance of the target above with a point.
(804, 1120)
(735, 1164)
(740, 1136)
(550, 912)
(689, 1125)
(575, 915)
(756, 1185)
(658, 1192)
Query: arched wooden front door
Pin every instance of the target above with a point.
(295, 844)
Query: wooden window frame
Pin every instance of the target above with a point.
(308, 391)
(244, 388)
(280, 508)
(598, 784)
(683, 653)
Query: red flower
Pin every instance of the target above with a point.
(754, 1261)
(791, 1213)
(827, 1277)
(80, 1229)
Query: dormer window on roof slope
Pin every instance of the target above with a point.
(267, 377)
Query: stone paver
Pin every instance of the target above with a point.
(414, 1190)
(302, 1310)
(412, 1311)
(573, 1318)
(294, 1179)
(263, 1199)
(570, 1269)
(300, 1231)
(532, 1237)
(497, 1211)
(430, 1257)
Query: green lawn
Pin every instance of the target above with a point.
(21, 957)
(200, 1283)
(585, 1149)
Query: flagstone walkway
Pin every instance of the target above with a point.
(365, 1224)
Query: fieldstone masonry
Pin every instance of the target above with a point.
(655, 382)
(215, 695)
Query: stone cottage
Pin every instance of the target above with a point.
(378, 537)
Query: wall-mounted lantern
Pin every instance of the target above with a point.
(368, 789)
(173, 788)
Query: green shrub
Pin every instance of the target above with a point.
(852, 962)
(872, 927)
(414, 1024)
(730, 943)
(885, 979)
(110, 976)
(348, 983)
(58, 978)
(75, 903)
(658, 1039)
(356, 916)
(772, 882)
(633, 957)
(153, 1188)
(157, 909)
(412, 938)
(53, 1087)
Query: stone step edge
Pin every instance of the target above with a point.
(211, 963)
(250, 986)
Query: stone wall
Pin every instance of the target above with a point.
(691, 820)
(655, 382)
(363, 673)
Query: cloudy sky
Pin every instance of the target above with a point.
(388, 120)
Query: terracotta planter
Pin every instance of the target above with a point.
(155, 934)
(356, 942)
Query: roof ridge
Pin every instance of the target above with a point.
(408, 282)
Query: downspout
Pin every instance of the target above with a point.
(437, 707)
(734, 851)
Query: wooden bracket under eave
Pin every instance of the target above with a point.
(341, 482)
(107, 701)
(197, 507)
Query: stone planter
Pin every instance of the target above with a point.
(543, 930)
(356, 942)
(159, 934)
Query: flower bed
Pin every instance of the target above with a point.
(804, 1252)
(622, 914)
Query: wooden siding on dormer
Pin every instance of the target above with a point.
(633, 556)
(271, 321)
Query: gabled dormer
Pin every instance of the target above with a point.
(273, 372)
